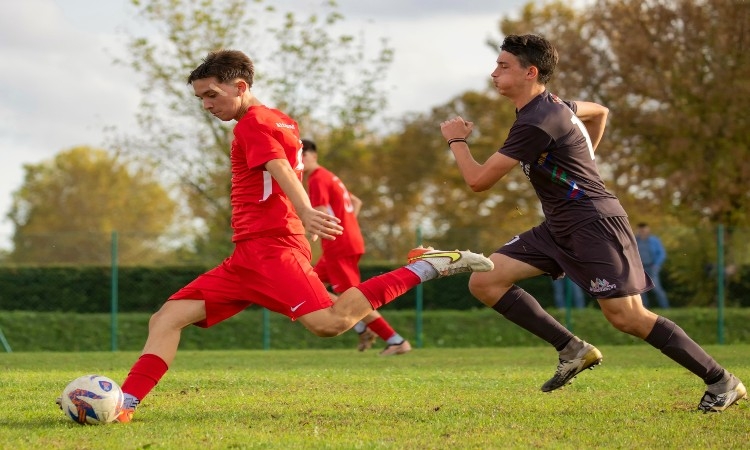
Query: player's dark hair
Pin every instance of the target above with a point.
(309, 146)
(533, 50)
(225, 66)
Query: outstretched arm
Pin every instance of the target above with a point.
(594, 117)
(318, 223)
(479, 177)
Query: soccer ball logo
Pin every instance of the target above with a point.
(92, 399)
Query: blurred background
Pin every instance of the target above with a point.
(140, 183)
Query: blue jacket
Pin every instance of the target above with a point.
(652, 251)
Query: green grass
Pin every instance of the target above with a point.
(479, 398)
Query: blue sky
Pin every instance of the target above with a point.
(59, 87)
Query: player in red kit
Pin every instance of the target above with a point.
(271, 212)
(339, 264)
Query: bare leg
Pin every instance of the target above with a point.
(374, 315)
(165, 326)
(351, 307)
(628, 315)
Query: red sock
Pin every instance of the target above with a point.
(144, 375)
(381, 328)
(383, 289)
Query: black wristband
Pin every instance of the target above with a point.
(450, 141)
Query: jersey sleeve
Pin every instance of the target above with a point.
(525, 142)
(571, 105)
(260, 144)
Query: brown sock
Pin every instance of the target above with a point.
(521, 308)
(672, 340)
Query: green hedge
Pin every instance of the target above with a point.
(144, 289)
(67, 332)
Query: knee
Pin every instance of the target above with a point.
(621, 323)
(155, 319)
(633, 324)
(486, 289)
(162, 320)
(326, 329)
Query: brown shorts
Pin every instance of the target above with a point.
(273, 272)
(601, 257)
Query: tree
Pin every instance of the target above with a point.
(301, 66)
(684, 68)
(67, 208)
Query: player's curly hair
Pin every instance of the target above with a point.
(225, 66)
(533, 50)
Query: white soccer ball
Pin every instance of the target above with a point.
(92, 399)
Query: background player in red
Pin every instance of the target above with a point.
(270, 265)
(585, 233)
(338, 266)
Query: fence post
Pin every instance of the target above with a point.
(266, 329)
(720, 283)
(419, 306)
(6, 345)
(568, 292)
(113, 295)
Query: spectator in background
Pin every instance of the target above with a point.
(576, 293)
(653, 256)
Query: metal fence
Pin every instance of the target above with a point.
(706, 267)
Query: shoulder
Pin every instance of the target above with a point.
(543, 109)
(264, 123)
(254, 119)
(322, 174)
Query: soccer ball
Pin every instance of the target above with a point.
(92, 399)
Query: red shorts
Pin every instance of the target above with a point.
(341, 272)
(601, 257)
(273, 272)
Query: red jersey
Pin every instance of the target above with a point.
(259, 206)
(326, 189)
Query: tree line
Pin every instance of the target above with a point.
(675, 75)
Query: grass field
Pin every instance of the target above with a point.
(476, 398)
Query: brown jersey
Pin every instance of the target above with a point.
(555, 152)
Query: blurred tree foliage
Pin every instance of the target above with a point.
(322, 80)
(67, 208)
(674, 73)
(676, 77)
